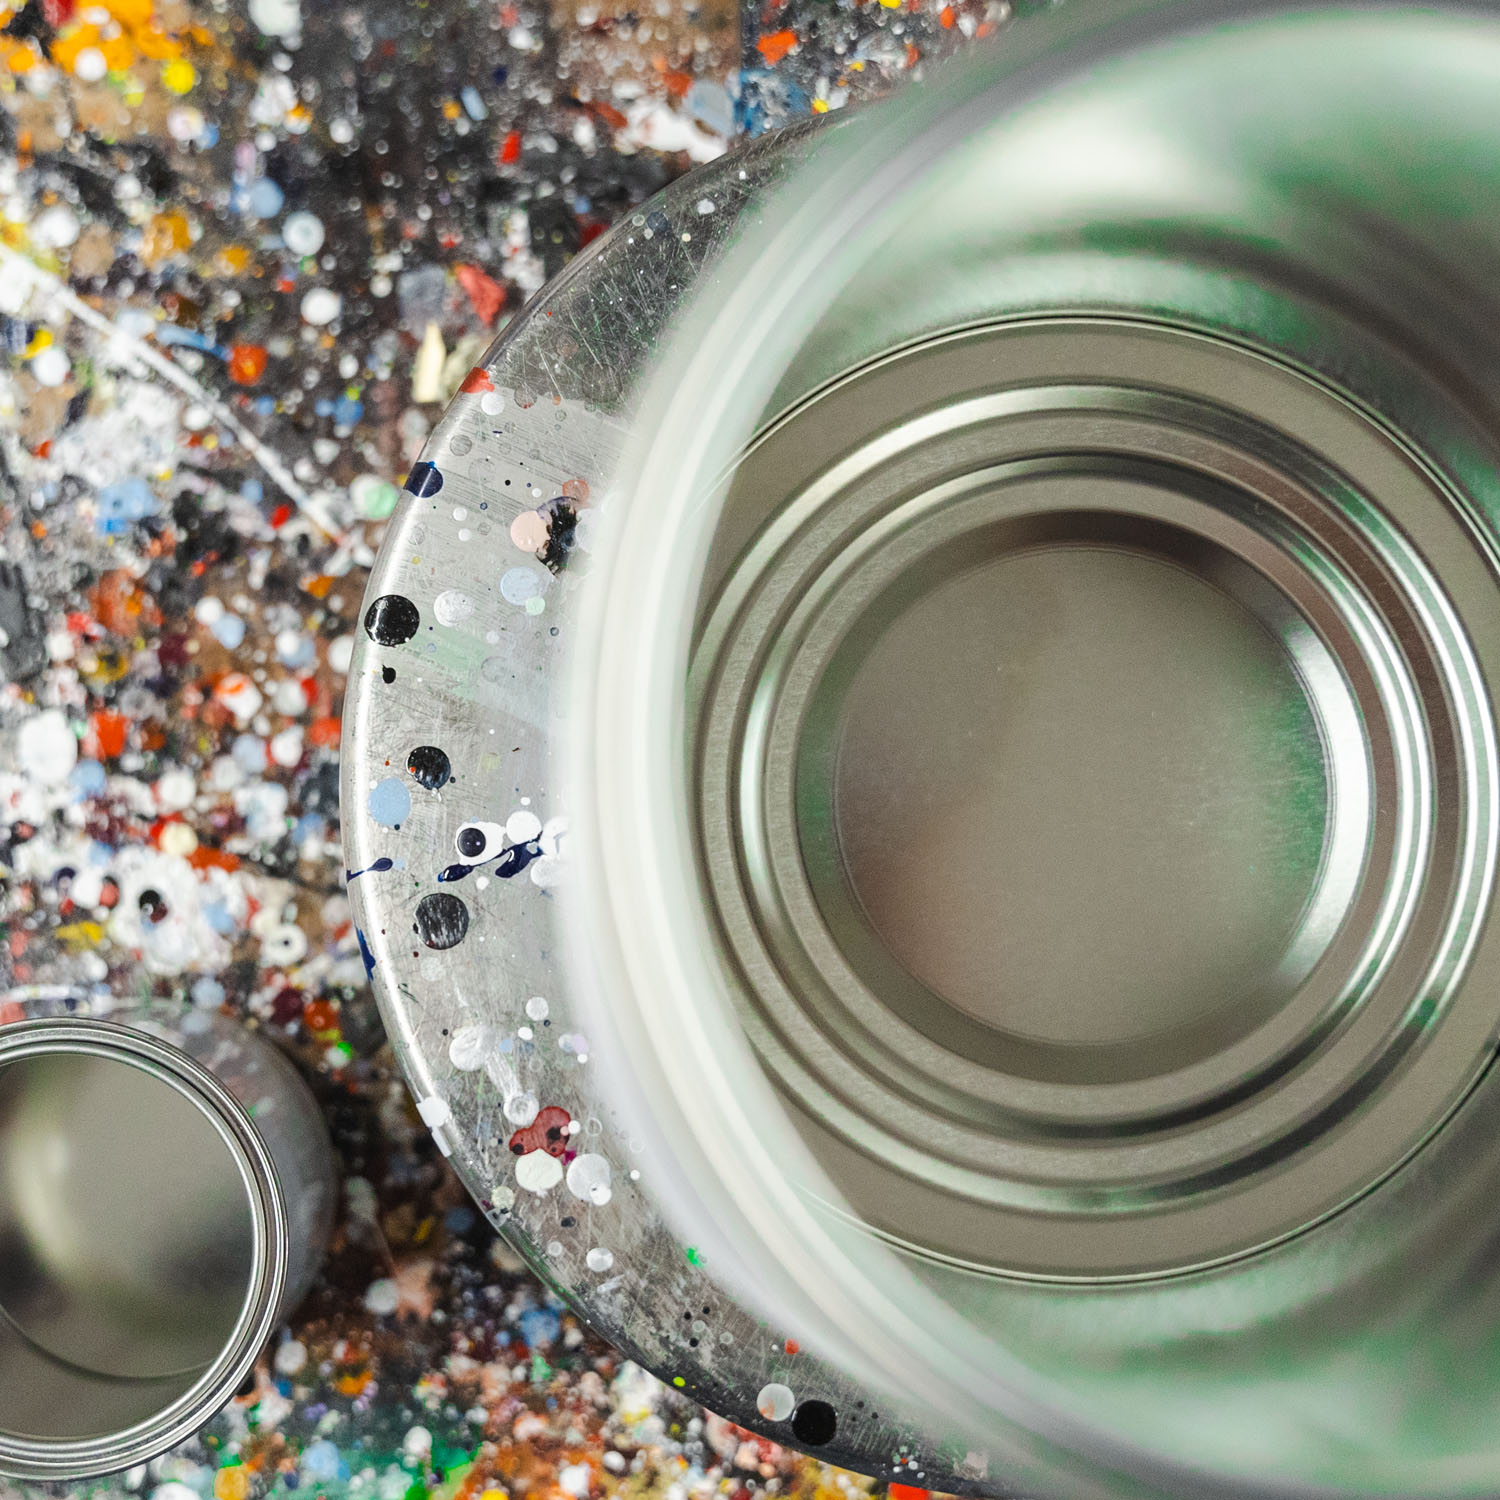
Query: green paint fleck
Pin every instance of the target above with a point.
(540, 1370)
(678, 1380)
(694, 1255)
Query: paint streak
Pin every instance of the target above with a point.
(378, 868)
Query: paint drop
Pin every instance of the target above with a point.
(435, 1112)
(523, 826)
(47, 748)
(303, 233)
(374, 498)
(538, 1172)
(452, 607)
(50, 366)
(382, 1297)
(470, 1046)
(517, 585)
(530, 531)
(775, 1402)
(599, 1259)
(536, 1008)
(587, 1174)
(390, 801)
(814, 1423)
(429, 766)
(321, 306)
(392, 620)
(442, 920)
(424, 480)
(521, 1108)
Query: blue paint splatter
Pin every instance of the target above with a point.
(508, 863)
(120, 504)
(390, 801)
(516, 858)
(378, 868)
(364, 953)
(424, 480)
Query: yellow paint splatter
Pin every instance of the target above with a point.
(179, 75)
(232, 1482)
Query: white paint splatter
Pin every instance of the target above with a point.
(537, 1172)
(775, 1402)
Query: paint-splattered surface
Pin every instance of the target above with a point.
(247, 253)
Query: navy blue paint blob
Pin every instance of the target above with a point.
(442, 920)
(814, 1424)
(455, 872)
(364, 953)
(424, 480)
(378, 868)
(516, 858)
(392, 620)
(429, 766)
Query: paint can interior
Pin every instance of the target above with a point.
(152, 1232)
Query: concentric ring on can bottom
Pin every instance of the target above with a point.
(1091, 491)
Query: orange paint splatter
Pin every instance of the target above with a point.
(776, 45)
(107, 734)
(247, 363)
(475, 381)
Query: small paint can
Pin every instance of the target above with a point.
(166, 1193)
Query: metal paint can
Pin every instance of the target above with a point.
(1011, 621)
(166, 1193)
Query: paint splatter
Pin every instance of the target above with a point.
(547, 1132)
(814, 1424)
(429, 767)
(390, 802)
(424, 480)
(442, 920)
(392, 620)
(775, 1402)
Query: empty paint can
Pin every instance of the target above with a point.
(166, 1191)
(963, 649)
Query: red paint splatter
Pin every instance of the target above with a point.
(548, 1132)
(486, 295)
(510, 148)
(475, 381)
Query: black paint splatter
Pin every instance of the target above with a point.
(442, 920)
(429, 766)
(451, 873)
(814, 1423)
(387, 674)
(424, 480)
(392, 620)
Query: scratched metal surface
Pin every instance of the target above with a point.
(489, 550)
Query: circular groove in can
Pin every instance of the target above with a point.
(1273, 974)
